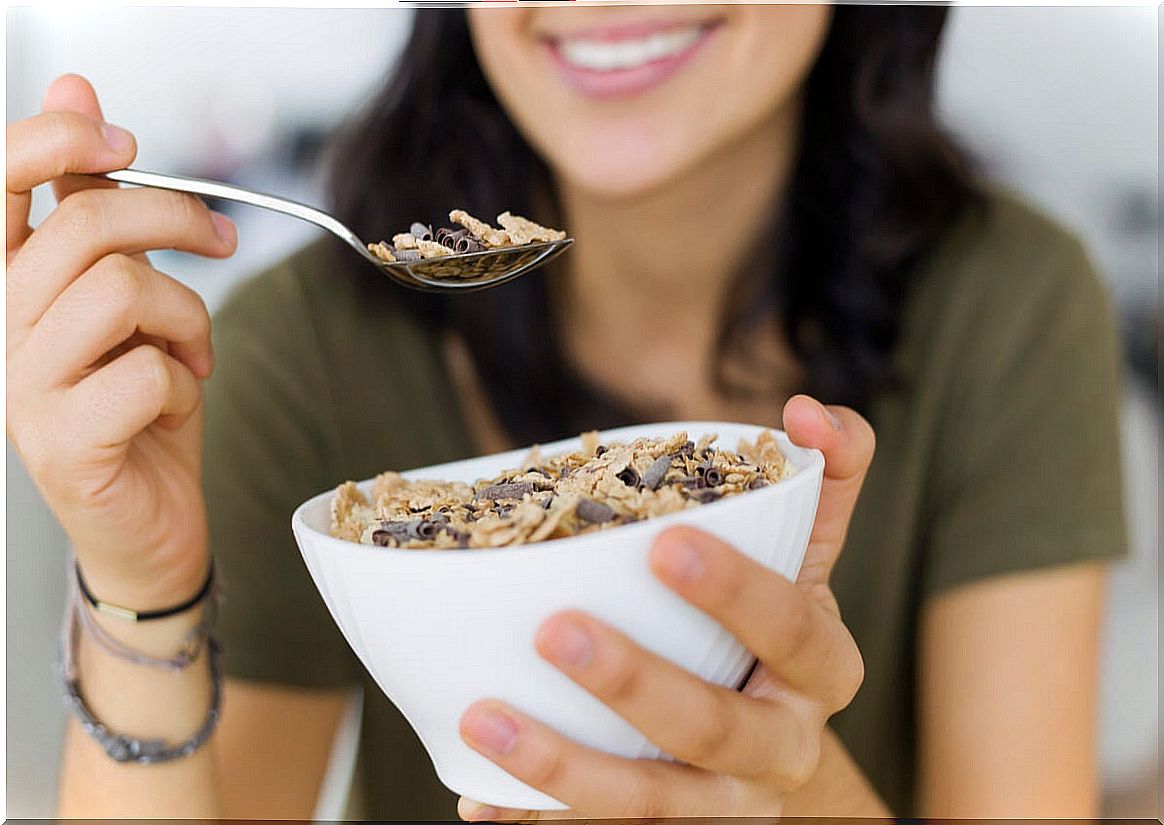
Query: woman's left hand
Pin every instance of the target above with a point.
(740, 753)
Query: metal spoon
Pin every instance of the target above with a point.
(465, 272)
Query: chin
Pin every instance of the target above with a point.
(611, 175)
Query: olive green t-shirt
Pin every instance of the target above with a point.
(997, 453)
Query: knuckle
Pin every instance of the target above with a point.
(799, 631)
(729, 585)
(644, 799)
(185, 211)
(42, 465)
(796, 761)
(83, 212)
(803, 765)
(151, 372)
(852, 676)
(621, 679)
(549, 770)
(29, 442)
(711, 731)
(121, 280)
(198, 313)
(46, 455)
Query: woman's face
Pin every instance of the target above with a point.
(620, 100)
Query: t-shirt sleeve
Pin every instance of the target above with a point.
(1028, 474)
(268, 448)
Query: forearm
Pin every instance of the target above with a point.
(838, 788)
(143, 702)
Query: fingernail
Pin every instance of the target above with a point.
(224, 228)
(832, 419)
(492, 731)
(681, 562)
(569, 644)
(205, 366)
(118, 139)
(478, 812)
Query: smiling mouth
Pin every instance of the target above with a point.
(626, 59)
(598, 54)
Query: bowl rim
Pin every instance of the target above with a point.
(811, 473)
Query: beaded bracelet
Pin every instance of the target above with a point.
(122, 747)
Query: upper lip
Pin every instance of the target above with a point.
(625, 31)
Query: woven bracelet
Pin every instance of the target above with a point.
(122, 747)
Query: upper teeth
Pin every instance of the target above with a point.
(605, 56)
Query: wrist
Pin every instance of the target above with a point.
(147, 590)
(156, 634)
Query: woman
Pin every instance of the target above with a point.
(763, 205)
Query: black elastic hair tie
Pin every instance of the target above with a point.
(144, 615)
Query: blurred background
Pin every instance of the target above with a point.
(1061, 104)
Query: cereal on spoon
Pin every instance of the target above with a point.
(595, 488)
(474, 235)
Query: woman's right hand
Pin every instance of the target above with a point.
(105, 354)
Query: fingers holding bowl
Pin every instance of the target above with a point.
(847, 442)
(696, 722)
(588, 781)
(807, 647)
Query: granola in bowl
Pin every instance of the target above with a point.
(597, 487)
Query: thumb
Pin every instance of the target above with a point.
(847, 441)
(73, 93)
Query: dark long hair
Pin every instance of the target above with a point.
(876, 182)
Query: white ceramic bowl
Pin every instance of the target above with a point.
(439, 630)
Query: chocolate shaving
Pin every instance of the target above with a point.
(467, 243)
(404, 531)
(448, 237)
(706, 495)
(506, 490)
(713, 477)
(408, 255)
(420, 231)
(592, 511)
(629, 476)
(654, 475)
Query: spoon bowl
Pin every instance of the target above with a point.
(473, 270)
(464, 272)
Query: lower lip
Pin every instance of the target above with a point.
(626, 82)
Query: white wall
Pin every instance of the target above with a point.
(1063, 103)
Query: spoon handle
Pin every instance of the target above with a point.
(214, 189)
